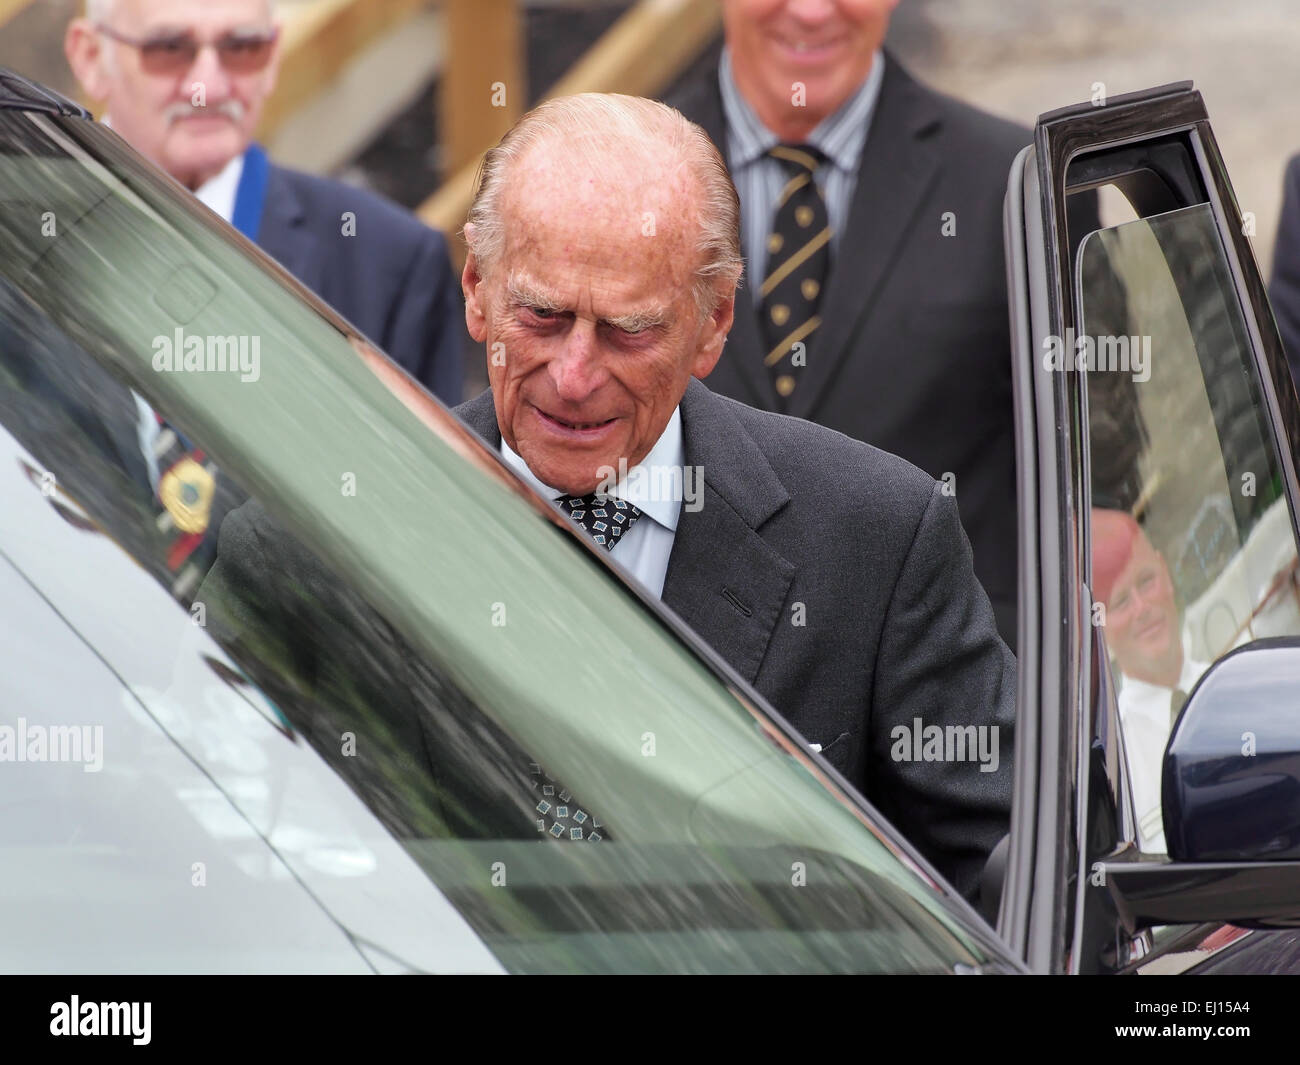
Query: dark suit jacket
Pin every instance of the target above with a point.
(393, 279)
(837, 580)
(1284, 287)
(914, 351)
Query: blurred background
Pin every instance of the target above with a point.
(395, 94)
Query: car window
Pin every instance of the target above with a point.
(1192, 544)
(328, 665)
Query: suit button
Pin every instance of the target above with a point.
(785, 384)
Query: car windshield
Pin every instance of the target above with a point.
(297, 676)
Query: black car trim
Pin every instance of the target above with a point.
(1245, 894)
(22, 94)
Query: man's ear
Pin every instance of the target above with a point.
(471, 282)
(713, 335)
(83, 46)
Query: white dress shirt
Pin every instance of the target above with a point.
(1144, 711)
(642, 551)
(218, 193)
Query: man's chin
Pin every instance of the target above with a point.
(573, 479)
(204, 150)
(577, 484)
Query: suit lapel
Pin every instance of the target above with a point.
(480, 414)
(724, 580)
(742, 360)
(899, 162)
(284, 235)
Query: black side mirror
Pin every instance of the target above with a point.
(1230, 798)
(1230, 788)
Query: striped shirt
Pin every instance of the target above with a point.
(760, 178)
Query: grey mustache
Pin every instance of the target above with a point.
(231, 109)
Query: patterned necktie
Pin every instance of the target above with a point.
(605, 518)
(558, 814)
(798, 258)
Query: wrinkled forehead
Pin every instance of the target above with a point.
(575, 209)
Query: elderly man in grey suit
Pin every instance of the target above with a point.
(604, 255)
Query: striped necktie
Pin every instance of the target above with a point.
(798, 260)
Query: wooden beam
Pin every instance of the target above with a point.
(484, 85)
(10, 8)
(639, 55)
(320, 39)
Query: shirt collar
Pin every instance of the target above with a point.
(646, 485)
(840, 136)
(1158, 695)
(218, 193)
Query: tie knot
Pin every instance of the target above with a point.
(604, 517)
(798, 157)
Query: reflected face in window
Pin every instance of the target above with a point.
(1132, 579)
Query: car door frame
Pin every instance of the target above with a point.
(1053, 914)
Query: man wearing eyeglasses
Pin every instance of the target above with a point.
(184, 81)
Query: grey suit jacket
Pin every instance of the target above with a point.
(837, 580)
(914, 351)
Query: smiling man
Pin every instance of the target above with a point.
(604, 253)
(184, 82)
(871, 211)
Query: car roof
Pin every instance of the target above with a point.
(22, 94)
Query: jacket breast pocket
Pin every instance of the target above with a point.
(837, 750)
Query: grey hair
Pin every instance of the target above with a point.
(603, 130)
(102, 10)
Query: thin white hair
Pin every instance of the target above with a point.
(603, 132)
(102, 10)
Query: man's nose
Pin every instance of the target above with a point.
(1147, 600)
(208, 72)
(578, 370)
(811, 12)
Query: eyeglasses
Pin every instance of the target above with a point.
(174, 53)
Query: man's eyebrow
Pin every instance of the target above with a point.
(523, 294)
(638, 321)
(179, 29)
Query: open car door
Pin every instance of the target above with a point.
(1157, 810)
